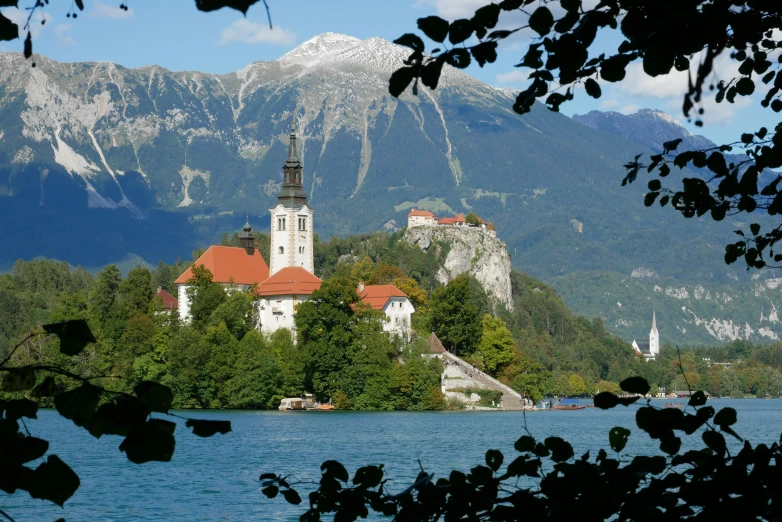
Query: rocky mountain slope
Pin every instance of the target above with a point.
(99, 162)
(471, 251)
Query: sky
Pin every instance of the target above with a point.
(175, 35)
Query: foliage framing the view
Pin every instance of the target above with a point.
(665, 36)
(548, 481)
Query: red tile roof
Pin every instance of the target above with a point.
(291, 280)
(229, 264)
(169, 301)
(435, 346)
(424, 213)
(378, 295)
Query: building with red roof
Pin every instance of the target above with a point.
(237, 268)
(420, 217)
(279, 295)
(393, 303)
(167, 300)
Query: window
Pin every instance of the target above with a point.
(280, 223)
(282, 250)
(302, 223)
(301, 250)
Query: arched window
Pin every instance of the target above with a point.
(282, 250)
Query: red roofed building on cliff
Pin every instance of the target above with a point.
(420, 217)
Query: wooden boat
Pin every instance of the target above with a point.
(672, 405)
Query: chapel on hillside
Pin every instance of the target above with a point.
(289, 278)
(417, 218)
(650, 348)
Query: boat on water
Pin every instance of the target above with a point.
(305, 402)
(291, 403)
(672, 405)
(568, 404)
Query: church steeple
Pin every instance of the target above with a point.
(291, 193)
(247, 240)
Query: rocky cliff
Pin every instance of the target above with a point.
(472, 251)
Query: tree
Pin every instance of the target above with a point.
(496, 347)
(455, 317)
(473, 219)
(665, 37)
(204, 295)
(136, 291)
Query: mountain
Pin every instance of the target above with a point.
(651, 128)
(99, 162)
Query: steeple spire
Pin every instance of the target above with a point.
(292, 194)
(654, 321)
(247, 240)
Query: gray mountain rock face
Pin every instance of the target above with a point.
(472, 251)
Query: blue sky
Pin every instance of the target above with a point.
(173, 34)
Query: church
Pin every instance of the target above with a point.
(650, 348)
(289, 277)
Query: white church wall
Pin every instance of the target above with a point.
(291, 239)
(399, 311)
(279, 311)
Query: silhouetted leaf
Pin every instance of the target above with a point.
(148, 442)
(118, 417)
(74, 335)
(28, 45)
(524, 444)
(698, 399)
(617, 438)
(291, 496)
(53, 480)
(270, 491)
(80, 4)
(20, 449)
(672, 145)
(592, 88)
(8, 29)
(18, 379)
(368, 476)
(78, 404)
(399, 81)
(460, 30)
(494, 459)
(725, 417)
(635, 385)
(430, 73)
(541, 20)
(335, 469)
(714, 440)
(561, 450)
(606, 400)
(213, 5)
(207, 428)
(434, 27)
(157, 396)
(412, 41)
(18, 408)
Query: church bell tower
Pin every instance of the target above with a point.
(291, 218)
(654, 337)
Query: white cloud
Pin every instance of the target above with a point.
(670, 89)
(452, 9)
(245, 31)
(610, 103)
(630, 108)
(515, 76)
(111, 11)
(63, 38)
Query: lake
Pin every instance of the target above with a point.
(217, 478)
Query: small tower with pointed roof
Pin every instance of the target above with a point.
(291, 218)
(654, 337)
(247, 240)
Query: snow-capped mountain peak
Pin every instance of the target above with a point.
(319, 48)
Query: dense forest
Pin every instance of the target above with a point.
(340, 351)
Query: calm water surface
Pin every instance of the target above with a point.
(217, 478)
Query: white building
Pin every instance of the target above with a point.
(392, 302)
(279, 295)
(236, 268)
(291, 219)
(651, 348)
(420, 217)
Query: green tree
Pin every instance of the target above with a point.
(473, 219)
(136, 291)
(496, 347)
(238, 312)
(455, 317)
(204, 295)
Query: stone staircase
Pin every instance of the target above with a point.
(459, 374)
